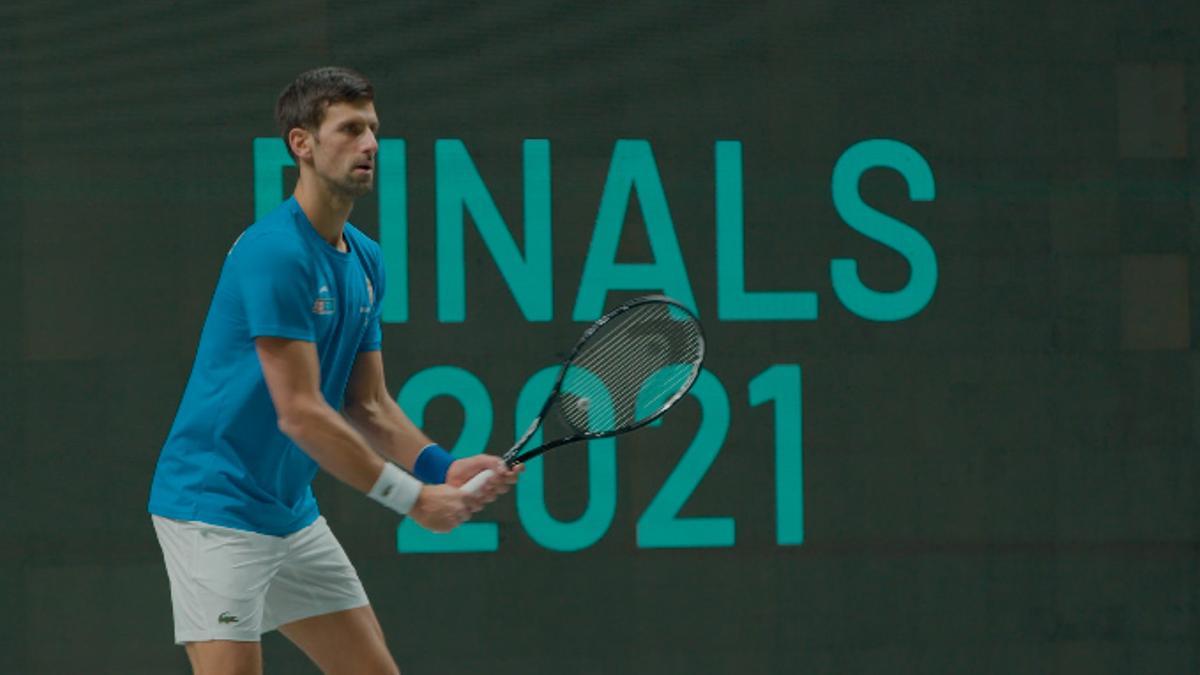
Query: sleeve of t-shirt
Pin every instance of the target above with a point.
(372, 340)
(276, 289)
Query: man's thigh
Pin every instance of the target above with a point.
(225, 657)
(349, 642)
(317, 601)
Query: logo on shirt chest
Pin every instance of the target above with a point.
(324, 305)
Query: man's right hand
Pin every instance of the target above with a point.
(441, 508)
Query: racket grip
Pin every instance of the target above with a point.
(472, 486)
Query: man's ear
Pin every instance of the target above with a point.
(300, 140)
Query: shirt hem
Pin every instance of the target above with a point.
(202, 517)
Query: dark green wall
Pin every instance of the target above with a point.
(1007, 482)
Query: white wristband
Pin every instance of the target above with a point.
(396, 489)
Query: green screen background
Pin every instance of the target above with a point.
(1006, 482)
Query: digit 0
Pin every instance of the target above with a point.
(542, 527)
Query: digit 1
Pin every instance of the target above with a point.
(465, 388)
(781, 383)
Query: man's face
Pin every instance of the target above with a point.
(344, 148)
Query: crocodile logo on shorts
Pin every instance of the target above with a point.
(226, 617)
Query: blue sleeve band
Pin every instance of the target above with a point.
(432, 464)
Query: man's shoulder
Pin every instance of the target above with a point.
(274, 236)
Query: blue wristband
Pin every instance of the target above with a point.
(432, 464)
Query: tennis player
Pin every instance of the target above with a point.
(292, 337)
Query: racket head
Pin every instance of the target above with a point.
(629, 367)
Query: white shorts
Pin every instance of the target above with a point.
(229, 584)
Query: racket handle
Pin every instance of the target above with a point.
(472, 486)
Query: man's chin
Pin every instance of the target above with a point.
(357, 188)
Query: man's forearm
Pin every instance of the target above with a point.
(335, 445)
(388, 430)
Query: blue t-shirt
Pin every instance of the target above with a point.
(225, 462)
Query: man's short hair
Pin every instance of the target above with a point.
(304, 101)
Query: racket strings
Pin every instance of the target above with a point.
(631, 368)
(618, 338)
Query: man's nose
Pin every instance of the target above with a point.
(370, 142)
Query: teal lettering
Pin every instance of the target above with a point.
(781, 384)
(393, 226)
(916, 249)
(632, 167)
(459, 189)
(602, 476)
(660, 526)
(465, 388)
(270, 158)
(734, 303)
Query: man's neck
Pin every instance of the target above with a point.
(326, 210)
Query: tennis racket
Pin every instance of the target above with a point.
(627, 370)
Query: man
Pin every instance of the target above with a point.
(293, 333)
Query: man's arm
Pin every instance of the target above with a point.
(293, 377)
(376, 415)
